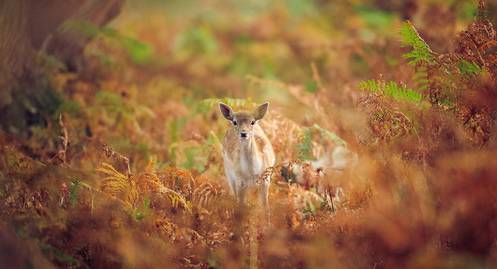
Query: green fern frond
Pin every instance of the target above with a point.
(401, 92)
(391, 89)
(420, 78)
(370, 85)
(421, 52)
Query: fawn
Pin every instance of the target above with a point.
(247, 152)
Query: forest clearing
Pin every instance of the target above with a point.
(381, 125)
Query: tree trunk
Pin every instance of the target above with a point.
(29, 25)
(69, 41)
(48, 15)
(16, 52)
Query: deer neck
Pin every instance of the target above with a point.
(249, 147)
(249, 155)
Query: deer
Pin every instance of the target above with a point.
(247, 153)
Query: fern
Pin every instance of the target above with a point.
(401, 92)
(420, 78)
(421, 55)
(115, 182)
(421, 52)
(370, 85)
(177, 199)
(391, 89)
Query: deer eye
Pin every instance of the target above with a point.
(253, 122)
(234, 122)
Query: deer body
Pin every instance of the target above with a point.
(247, 153)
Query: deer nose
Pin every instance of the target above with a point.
(243, 134)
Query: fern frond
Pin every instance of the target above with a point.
(115, 182)
(204, 194)
(421, 52)
(391, 89)
(370, 85)
(176, 198)
(421, 78)
(111, 171)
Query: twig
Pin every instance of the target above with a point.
(62, 153)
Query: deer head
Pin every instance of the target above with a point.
(243, 122)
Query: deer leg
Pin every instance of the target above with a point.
(234, 189)
(241, 195)
(264, 198)
(239, 211)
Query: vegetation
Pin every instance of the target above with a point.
(115, 161)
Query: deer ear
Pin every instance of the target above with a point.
(260, 111)
(226, 110)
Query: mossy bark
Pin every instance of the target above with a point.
(68, 41)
